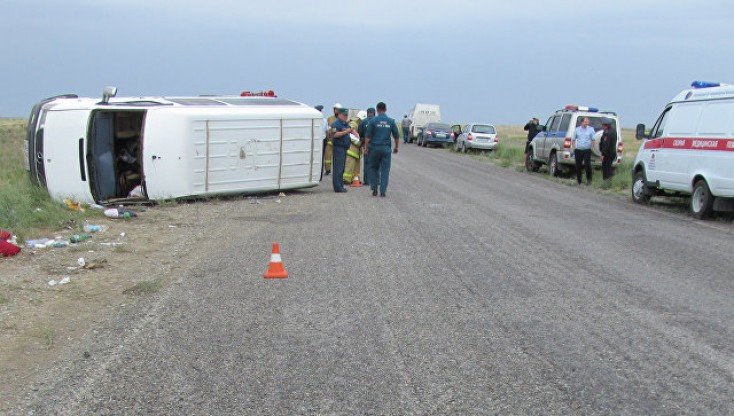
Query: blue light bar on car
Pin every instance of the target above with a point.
(704, 84)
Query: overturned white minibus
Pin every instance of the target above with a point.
(153, 148)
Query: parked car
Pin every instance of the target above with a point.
(476, 136)
(690, 150)
(553, 144)
(420, 116)
(171, 147)
(435, 133)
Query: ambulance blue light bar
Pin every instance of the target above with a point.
(704, 84)
(573, 107)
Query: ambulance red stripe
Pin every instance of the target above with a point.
(682, 143)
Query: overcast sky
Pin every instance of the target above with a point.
(494, 61)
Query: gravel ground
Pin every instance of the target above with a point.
(470, 289)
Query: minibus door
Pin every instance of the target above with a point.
(64, 149)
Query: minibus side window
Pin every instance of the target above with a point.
(657, 130)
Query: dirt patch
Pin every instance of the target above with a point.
(126, 263)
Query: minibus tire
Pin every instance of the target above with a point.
(640, 195)
(702, 202)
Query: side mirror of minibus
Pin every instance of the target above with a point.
(640, 132)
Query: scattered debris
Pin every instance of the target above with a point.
(282, 194)
(8, 249)
(38, 243)
(78, 238)
(63, 281)
(136, 192)
(97, 207)
(81, 262)
(93, 228)
(112, 244)
(73, 205)
(95, 264)
(119, 213)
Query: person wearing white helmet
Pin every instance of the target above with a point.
(354, 154)
(328, 149)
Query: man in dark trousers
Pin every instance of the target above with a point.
(532, 129)
(362, 130)
(341, 143)
(377, 143)
(608, 148)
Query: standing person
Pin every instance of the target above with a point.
(406, 128)
(362, 130)
(325, 130)
(583, 136)
(352, 169)
(328, 149)
(532, 128)
(378, 134)
(340, 144)
(608, 148)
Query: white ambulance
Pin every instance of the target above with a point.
(151, 148)
(690, 150)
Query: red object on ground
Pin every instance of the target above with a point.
(275, 267)
(5, 235)
(7, 249)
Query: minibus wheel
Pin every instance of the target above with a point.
(640, 193)
(702, 202)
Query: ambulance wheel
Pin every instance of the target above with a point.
(702, 202)
(640, 193)
(553, 166)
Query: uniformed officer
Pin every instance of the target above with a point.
(362, 130)
(328, 154)
(608, 148)
(340, 140)
(378, 134)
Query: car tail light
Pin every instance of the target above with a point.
(428, 132)
(567, 143)
(452, 135)
(620, 147)
(496, 139)
(469, 137)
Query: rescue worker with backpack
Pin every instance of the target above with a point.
(354, 156)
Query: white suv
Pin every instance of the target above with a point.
(553, 144)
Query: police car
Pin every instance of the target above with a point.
(690, 150)
(553, 144)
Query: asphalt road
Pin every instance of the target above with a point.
(470, 289)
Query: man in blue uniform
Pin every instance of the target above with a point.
(362, 130)
(377, 143)
(341, 143)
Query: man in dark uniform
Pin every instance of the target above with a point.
(341, 142)
(532, 129)
(378, 134)
(362, 130)
(608, 148)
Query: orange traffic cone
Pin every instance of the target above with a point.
(275, 267)
(356, 183)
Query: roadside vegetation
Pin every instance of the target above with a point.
(26, 210)
(510, 153)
